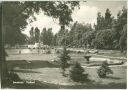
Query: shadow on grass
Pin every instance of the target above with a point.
(45, 85)
(98, 86)
(36, 85)
(111, 77)
(24, 64)
(111, 86)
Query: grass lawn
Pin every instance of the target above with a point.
(53, 77)
(47, 74)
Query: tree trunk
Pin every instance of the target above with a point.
(4, 71)
(4, 66)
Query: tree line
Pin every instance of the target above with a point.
(46, 36)
(108, 33)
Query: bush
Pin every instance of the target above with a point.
(104, 70)
(64, 59)
(13, 76)
(48, 52)
(8, 80)
(58, 51)
(77, 73)
(79, 52)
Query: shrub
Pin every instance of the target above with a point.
(77, 73)
(64, 58)
(58, 51)
(13, 76)
(104, 70)
(48, 52)
(8, 80)
(79, 52)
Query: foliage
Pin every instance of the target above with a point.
(104, 22)
(121, 29)
(37, 35)
(34, 35)
(104, 39)
(8, 81)
(13, 76)
(13, 22)
(104, 70)
(15, 15)
(123, 39)
(77, 73)
(79, 36)
(62, 37)
(75, 37)
(100, 22)
(108, 33)
(64, 59)
(115, 37)
(43, 36)
(48, 52)
(89, 37)
(108, 19)
(54, 40)
(47, 36)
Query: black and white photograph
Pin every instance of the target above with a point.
(64, 44)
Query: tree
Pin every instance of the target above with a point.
(100, 22)
(104, 70)
(32, 36)
(77, 34)
(64, 39)
(37, 35)
(49, 37)
(44, 36)
(120, 28)
(15, 23)
(108, 19)
(112, 35)
(61, 36)
(77, 73)
(123, 39)
(55, 40)
(14, 20)
(71, 34)
(104, 39)
(64, 60)
(88, 37)
(104, 22)
(23, 39)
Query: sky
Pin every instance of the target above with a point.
(86, 14)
